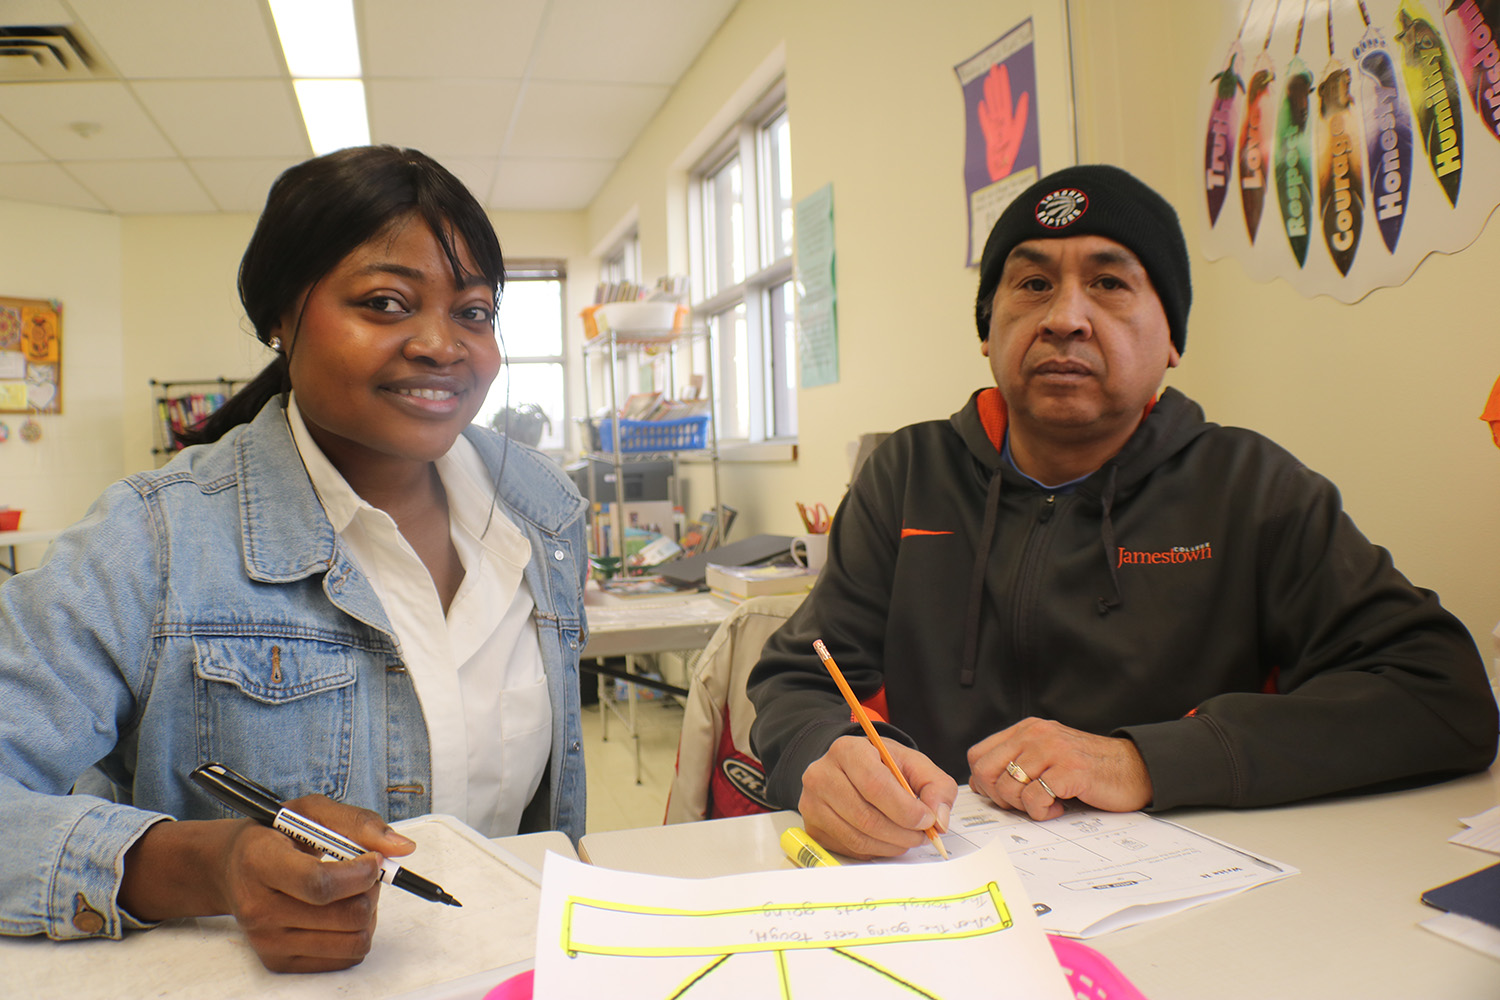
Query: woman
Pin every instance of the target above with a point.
(350, 595)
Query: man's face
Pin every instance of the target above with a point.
(1078, 340)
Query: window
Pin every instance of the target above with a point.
(741, 218)
(623, 263)
(532, 381)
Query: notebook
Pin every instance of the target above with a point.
(1476, 896)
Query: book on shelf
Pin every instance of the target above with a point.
(640, 405)
(706, 533)
(740, 582)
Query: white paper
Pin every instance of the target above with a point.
(1483, 831)
(1090, 871)
(417, 943)
(1470, 933)
(957, 930)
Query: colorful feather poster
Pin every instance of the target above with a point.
(1218, 149)
(1434, 95)
(1294, 151)
(1371, 144)
(1341, 198)
(1471, 31)
(1255, 143)
(1387, 132)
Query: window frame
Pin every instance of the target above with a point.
(623, 260)
(545, 269)
(749, 141)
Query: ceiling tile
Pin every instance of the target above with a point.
(203, 116)
(240, 184)
(583, 119)
(42, 112)
(138, 187)
(644, 41)
(442, 118)
(33, 12)
(45, 184)
(184, 39)
(217, 118)
(14, 148)
(468, 38)
(548, 185)
(475, 172)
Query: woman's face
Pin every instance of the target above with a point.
(392, 358)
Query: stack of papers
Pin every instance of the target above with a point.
(1089, 872)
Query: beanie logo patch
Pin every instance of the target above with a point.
(1061, 208)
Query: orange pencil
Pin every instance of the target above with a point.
(869, 728)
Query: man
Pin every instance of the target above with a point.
(1076, 589)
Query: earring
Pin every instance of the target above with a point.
(275, 344)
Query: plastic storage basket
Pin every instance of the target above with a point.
(655, 435)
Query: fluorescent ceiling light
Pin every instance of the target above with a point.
(322, 53)
(318, 37)
(334, 112)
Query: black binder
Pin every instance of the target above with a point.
(691, 571)
(1476, 896)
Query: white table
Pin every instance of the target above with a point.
(1345, 927)
(629, 626)
(634, 626)
(28, 536)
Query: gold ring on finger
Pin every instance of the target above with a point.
(1014, 770)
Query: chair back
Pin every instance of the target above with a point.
(717, 773)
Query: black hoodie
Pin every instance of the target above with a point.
(1203, 594)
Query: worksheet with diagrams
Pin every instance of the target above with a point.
(1089, 872)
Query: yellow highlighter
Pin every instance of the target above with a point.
(804, 851)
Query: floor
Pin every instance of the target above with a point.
(616, 802)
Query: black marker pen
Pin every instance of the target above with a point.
(249, 799)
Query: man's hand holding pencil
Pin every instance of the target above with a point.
(853, 792)
(852, 804)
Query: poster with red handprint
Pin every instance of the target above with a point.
(1002, 144)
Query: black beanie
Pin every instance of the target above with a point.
(1095, 200)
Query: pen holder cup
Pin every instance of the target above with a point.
(809, 551)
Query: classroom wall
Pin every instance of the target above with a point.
(74, 257)
(1381, 396)
(182, 315)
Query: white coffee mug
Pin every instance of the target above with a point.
(810, 551)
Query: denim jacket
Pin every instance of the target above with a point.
(207, 611)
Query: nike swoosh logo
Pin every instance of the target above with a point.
(909, 532)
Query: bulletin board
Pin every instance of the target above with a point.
(30, 355)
